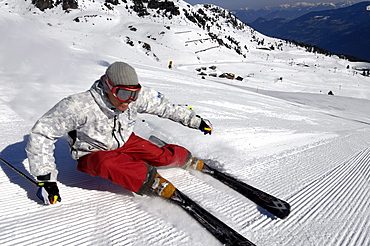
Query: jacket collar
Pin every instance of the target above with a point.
(101, 98)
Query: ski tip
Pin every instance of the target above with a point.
(282, 210)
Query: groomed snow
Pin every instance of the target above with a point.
(285, 136)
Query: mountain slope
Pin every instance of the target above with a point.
(277, 129)
(341, 31)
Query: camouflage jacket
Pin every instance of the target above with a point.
(93, 124)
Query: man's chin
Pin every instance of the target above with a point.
(123, 107)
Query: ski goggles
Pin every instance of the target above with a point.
(124, 93)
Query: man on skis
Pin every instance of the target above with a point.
(99, 124)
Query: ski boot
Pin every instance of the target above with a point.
(196, 164)
(163, 187)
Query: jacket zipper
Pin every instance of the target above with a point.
(113, 132)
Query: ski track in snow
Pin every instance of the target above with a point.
(328, 191)
(332, 173)
(323, 204)
(325, 181)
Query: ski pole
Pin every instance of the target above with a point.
(20, 173)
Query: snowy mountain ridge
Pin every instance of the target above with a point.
(286, 11)
(324, 4)
(304, 5)
(216, 25)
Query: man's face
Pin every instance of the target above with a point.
(122, 106)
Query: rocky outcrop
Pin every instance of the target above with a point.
(49, 4)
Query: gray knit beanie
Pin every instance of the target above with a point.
(121, 73)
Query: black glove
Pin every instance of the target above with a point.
(205, 126)
(48, 192)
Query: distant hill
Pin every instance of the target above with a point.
(341, 31)
(286, 11)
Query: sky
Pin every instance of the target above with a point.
(253, 4)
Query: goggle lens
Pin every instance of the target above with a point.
(123, 93)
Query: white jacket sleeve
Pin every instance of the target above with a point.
(40, 147)
(153, 102)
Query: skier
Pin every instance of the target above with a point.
(99, 124)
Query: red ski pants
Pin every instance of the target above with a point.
(133, 165)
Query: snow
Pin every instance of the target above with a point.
(285, 136)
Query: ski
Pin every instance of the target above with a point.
(275, 206)
(270, 203)
(216, 227)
